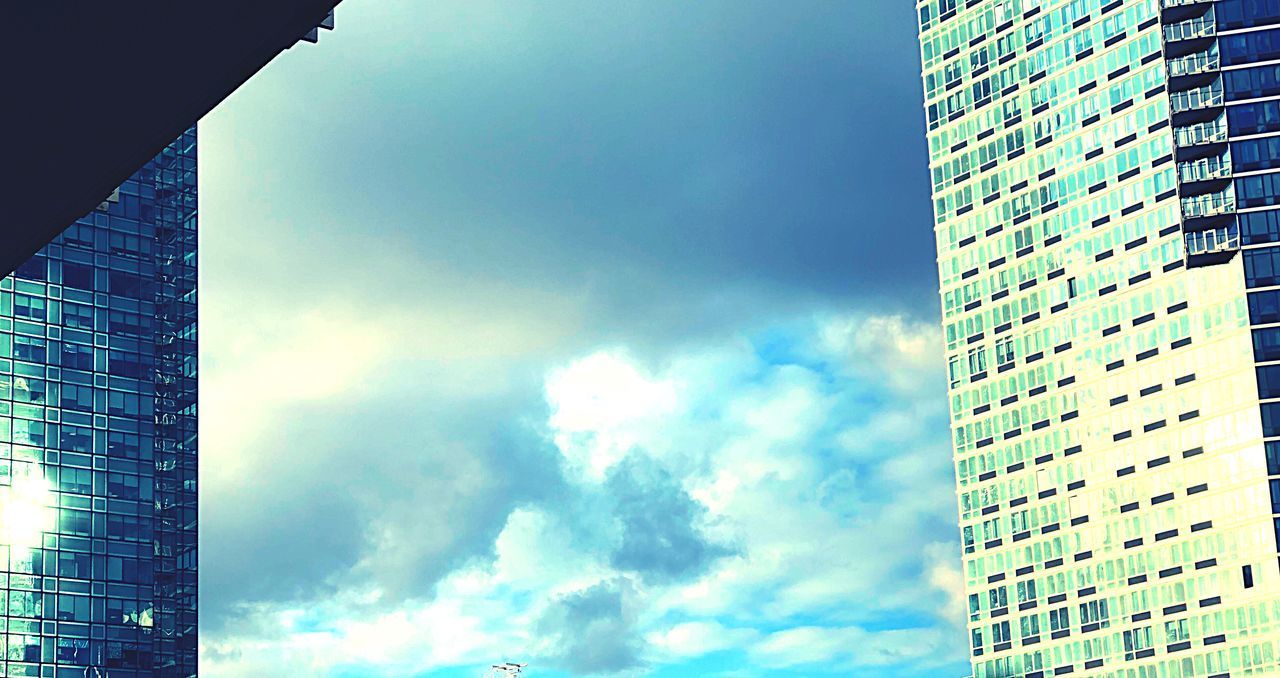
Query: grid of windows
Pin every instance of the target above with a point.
(98, 439)
(1091, 193)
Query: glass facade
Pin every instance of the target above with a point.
(1105, 186)
(98, 438)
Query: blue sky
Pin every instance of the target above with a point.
(599, 336)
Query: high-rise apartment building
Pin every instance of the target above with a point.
(1106, 201)
(98, 438)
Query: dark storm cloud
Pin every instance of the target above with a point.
(647, 156)
(593, 631)
(660, 538)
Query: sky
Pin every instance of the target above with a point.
(598, 336)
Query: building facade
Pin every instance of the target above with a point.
(98, 438)
(1107, 213)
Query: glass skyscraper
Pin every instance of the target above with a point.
(98, 438)
(1107, 213)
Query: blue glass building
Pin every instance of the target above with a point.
(98, 467)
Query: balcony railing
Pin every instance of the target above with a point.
(1204, 170)
(1210, 205)
(1194, 64)
(1213, 241)
(1202, 27)
(1212, 132)
(1192, 99)
(1183, 3)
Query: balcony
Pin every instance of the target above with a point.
(1210, 205)
(1212, 246)
(1206, 169)
(1170, 4)
(1202, 27)
(1194, 99)
(1212, 132)
(1194, 64)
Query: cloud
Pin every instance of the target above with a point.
(562, 148)
(512, 325)
(902, 354)
(593, 631)
(944, 573)
(732, 506)
(697, 638)
(600, 406)
(661, 540)
(322, 503)
(848, 648)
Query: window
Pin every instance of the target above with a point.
(1255, 154)
(76, 480)
(1266, 344)
(75, 439)
(35, 268)
(1258, 191)
(123, 486)
(1020, 521)
(1250, 47)
(1026, 591)
(1251, 83)
(977, 360)
(79, 276)
(74, 565)
(74, 650)
(128, 528)
(1262, 267)
(123, 404)
(1244, 13)
(1271, 420)
(998, 597)
(1093, 612)
(1059, 619)
(991, 529)
(32, 308)
(1258, 228)
(125, 284)
(1136, 640)
(1254, 118)
(25, 604)
(1004, 351)
(73, 522)
(123, 445)
(76, 315)
(73, 608)
(77, 357)
(28, 432)
(1269, 381)
(124, 364)
(29, 348)
(1030, 626)
(1000, 633)
(29, 390)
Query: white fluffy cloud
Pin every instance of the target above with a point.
(602, 406)
(723, 502)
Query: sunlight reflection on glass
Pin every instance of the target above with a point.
(27, 508)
